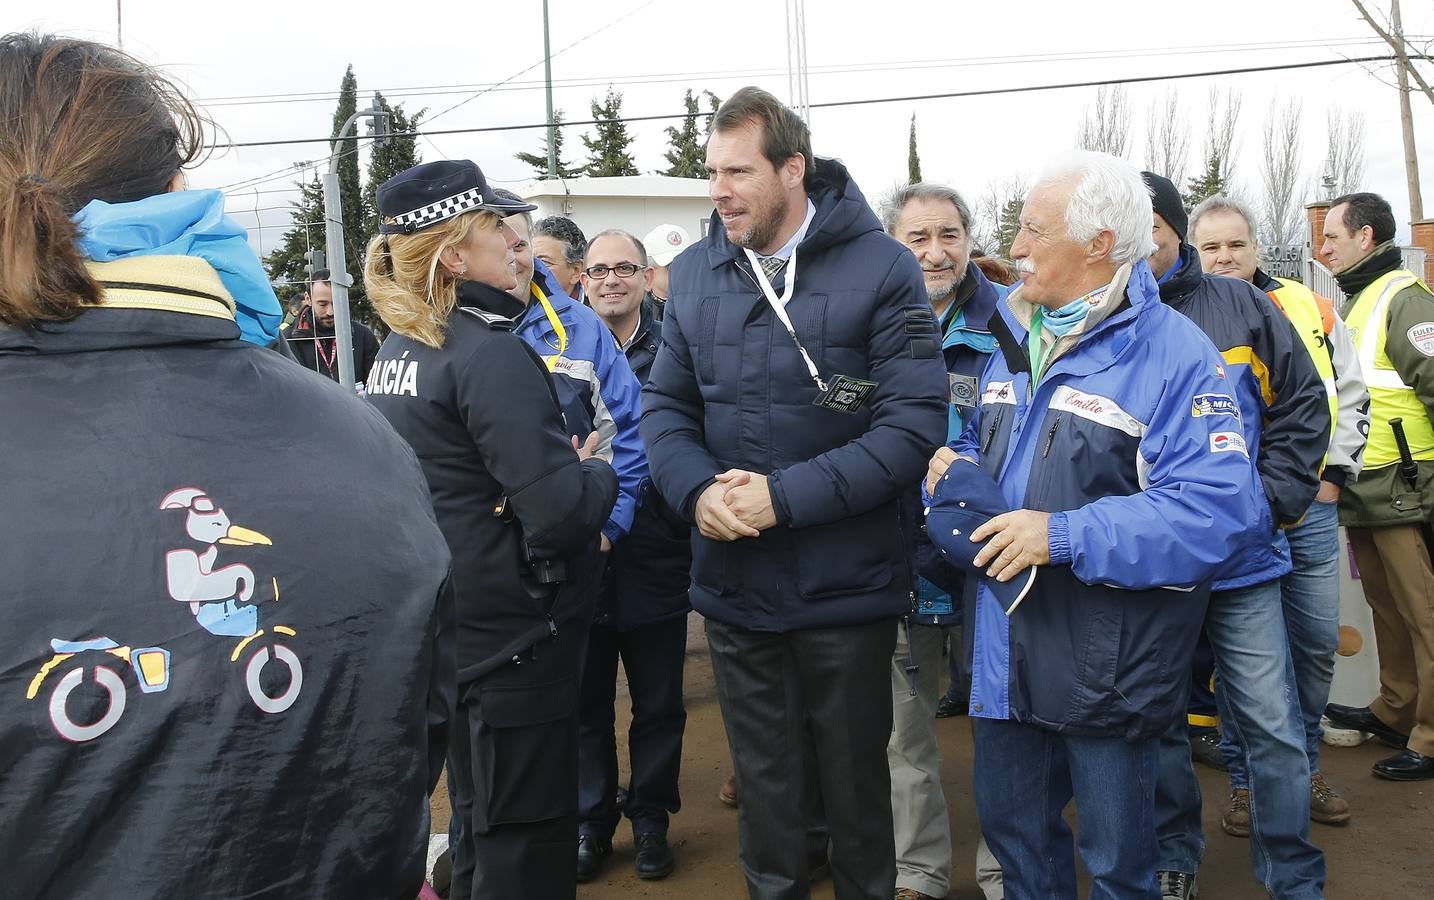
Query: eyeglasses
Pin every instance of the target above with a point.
(621, 270)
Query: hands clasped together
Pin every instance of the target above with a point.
(738, 505)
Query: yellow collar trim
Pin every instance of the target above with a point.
(183, 284)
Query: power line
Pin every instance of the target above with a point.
(832, 104)
(837, 69)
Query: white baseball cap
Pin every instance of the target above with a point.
(664, 242)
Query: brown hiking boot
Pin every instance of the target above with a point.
(1326, 805)
(1235, 821)
(728, 793)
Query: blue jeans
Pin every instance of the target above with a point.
(1256, 678)
(1025, 776)
(1310, 594)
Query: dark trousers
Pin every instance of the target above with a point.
(1024, 778)
(828, 690)
(1202, 711)
(512, 767)
(652, 657)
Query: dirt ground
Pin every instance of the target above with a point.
(1386, 851)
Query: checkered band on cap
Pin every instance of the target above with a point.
(437, 211)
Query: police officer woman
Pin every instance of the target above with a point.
(520, 509)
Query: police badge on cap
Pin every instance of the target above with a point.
(434, 192)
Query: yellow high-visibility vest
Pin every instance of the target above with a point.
(1390, 397)
(1302, 308)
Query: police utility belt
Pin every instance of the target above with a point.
(843, 393)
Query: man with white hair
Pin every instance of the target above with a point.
(1278, 410)
(1124, 501)
(1222, 231)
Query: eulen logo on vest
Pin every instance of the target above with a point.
(1422, 337)
(394, 376)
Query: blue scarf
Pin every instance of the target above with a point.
(187, 223)
(1059, 322)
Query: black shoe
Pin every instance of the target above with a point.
(442, 879)
(654, 856)
(592, 850)
(1205, 748)
(949, 706)
(1406, 766)
(1361, 719)
(1177, 886)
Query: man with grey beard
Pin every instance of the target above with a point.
(933, 222)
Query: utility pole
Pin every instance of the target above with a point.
(339, 278)
(1406, 118)
(119, 23)
(548, 75)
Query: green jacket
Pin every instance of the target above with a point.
(1382, 496)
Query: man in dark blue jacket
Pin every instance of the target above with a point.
(641, 614)
(933, 221)
(796, 397)
(1285, 426)
(1127, 497)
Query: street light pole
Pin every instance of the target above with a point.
(339, 278)
(548, 75)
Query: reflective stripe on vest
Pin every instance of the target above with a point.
(1299, 305)
(1390, 398)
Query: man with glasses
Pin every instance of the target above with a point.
(641, 615)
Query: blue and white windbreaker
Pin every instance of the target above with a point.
(1133, 441)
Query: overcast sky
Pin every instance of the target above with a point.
(436, 53)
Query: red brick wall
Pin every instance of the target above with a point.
(1315, 213)
(1424, 237)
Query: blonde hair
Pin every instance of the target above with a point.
(409, 290)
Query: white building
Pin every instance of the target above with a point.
(636, 204)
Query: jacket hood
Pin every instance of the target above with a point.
(148, 301)
(842, 214)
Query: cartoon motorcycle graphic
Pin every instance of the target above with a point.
(151, 667)
(221, 599)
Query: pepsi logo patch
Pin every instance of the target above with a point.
(1228, 441)
(1421, 336)
(1214, 405)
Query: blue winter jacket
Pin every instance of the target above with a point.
(729, 389)
(1133, 442)
(967, 345)
(596, 388)
(1282, 403)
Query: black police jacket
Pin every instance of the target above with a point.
(482, 415)
(648, 569)
(226, 667)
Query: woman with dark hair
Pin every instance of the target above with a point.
(520, 509)
(169, 727)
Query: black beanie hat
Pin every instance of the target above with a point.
(1167, 203)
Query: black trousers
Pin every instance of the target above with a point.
(652, 657)
(512, 763)
(819, 699)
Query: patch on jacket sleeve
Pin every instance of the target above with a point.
(1421, 336)
(921, 331)
(1227, 441)
(1214, 405)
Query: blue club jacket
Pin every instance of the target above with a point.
(1133, 441)
(729, 390)
(596, 389)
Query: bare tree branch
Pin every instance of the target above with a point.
(1343, 166)
(1279, 171)
(1167, 138)
(1106, 126)
(1399, 46)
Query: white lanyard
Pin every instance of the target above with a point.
(779, 305)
